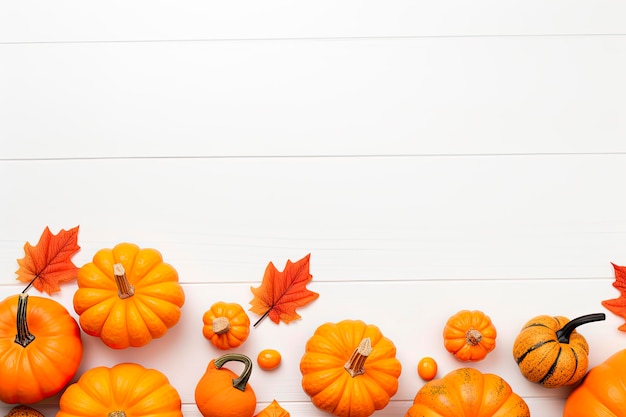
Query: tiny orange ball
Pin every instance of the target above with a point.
(427, 368)
(268, 359)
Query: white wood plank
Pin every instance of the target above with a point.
(314, 97)
(362, 219)
(72, 20)
(411, 314)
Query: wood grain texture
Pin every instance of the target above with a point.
(430, 156)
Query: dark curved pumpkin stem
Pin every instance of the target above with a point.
(23, 337)
(564, 333)
(240, 382)
(124, 288)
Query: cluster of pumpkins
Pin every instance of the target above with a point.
(127, 296)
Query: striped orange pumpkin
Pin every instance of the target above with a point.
(550, 352)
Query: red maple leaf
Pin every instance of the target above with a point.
(618, 305)
(281, 293)
(49, 263)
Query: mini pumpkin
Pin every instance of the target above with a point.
(550, 352)
(41, 348)
(222, 393)
(350, 369)
(226, 325)
(469, 335)
(128, 296)
(468, 392)
(602, 392)
(126, 389)
(24, 411)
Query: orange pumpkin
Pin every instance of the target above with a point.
(602, 392)
(128, 296)
(350, 369)
(226, 325)
(468, 392)
(550, 352)
(126, 389)
(222, 393)
(469, 335)
(40, 346)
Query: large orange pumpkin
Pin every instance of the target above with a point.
(467, 392)
(350, 369)
(602, 392)
(40, 348)
(125, 390)
(128, 296)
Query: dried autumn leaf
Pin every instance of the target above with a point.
(49, 263)
(280, 293)
(273, 410)
(618, 305)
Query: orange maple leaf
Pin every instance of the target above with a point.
(49, 263)
(618, 305)
(281, 293)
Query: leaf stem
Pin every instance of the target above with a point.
(30, 284)
(262, 317)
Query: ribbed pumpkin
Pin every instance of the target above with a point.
(226, 325)
(550, 352)
(468, 392)
(125, 390)
(222, 393)
(349, 368)
(469, 335)
(128, 296)
(602, 392)
(40, 348)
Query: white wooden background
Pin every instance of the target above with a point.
(431, 156)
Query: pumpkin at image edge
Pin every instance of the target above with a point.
(128, 296)
(602, 392)
(350, 369)
(550, 352)
(126, 389)
(463, 391)
(41, 348)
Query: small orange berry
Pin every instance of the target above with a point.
(427, 368)
(268, 359)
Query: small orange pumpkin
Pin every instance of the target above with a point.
(350, 369)
(128, 296)
(226, 325)
(222, 393)
(469, 335)
(24, 411)
(550, 352)
(40, 346)
(467, 392)
(602, 392)
(126, 389)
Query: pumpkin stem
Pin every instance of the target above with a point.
(473, 337)
(221, 325)
(124, 288)
(240, 382)
(564, 333)
(356, 364)
(118, 413)
(23, 337)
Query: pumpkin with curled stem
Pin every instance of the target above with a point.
(550, 352)
(350, 369)
(40, 348)
(226, 325)
(467, 392)
(602, 392)
(126, 389)
(128, 296)
(469, 335)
